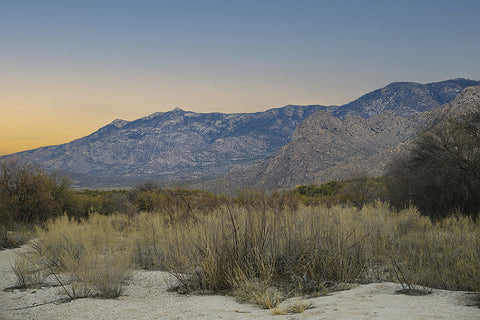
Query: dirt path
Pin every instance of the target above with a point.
(146, 297)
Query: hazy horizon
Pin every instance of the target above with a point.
(71, 67)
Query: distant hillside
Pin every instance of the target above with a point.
(175, 145)
(325, 147)
(322, 142)
(405, 98)
(180, 147)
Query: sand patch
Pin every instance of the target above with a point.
(146, 297)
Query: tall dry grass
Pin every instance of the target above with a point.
(263, 254)
(28, 270)
(88, 258)
(445, 255)
(304, 251)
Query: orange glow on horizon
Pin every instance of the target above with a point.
(56, 113)
(18, 136)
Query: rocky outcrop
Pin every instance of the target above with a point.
(325, 147)
(175, 145)
(405, 98)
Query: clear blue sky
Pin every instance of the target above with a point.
(69, 67)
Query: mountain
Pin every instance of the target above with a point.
(175, 145)
(183, 147)
(405, 98)
(323, 142)
(325, 147)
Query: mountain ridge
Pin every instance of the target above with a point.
(420, 98)
(323, 148)
(172, 145)
(180, 145)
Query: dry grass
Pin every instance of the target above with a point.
(445, 255)
(297, 306)
(256, 291)
(300, 252)
(14, 236)
(263, 255)
(87, 258)
(28, 271)
(147, 232)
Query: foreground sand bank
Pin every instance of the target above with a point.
(146, 297)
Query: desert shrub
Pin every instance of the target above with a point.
(150, 234)
(291, 250)
(29, 195)
(363, 190)
(357, 192)
(315, 195)
(14, 236)
(305, 251)
(103, 202)
(28, 270)
(94, 257)
(446, 255)
(325, 189)
(441, 172)
(175, 203)
(261, 201)
(256, 291)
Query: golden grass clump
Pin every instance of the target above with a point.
(297, 306)
(256, 291)
(28, 271)
(147, 232)
(88, 258)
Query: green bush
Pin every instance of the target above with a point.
(441, 172)
(103, 202)
(357, 191)
(29, 195)
(326, 189)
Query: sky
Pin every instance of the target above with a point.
(70, 67)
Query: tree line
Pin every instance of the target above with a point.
(440, 175)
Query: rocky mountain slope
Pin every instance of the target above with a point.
(405, 98)
(325, 147)
(174, 145)
(184, 146)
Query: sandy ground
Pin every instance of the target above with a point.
(146, 297)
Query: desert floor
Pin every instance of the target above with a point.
(146, 297)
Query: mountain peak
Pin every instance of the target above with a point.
(154, 115)
(171, 146)
(119, 123)
(405, 98)
(326, 148)
(151, 116)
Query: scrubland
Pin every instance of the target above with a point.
(260, 248)
(258, 252)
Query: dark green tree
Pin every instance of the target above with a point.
(441, 173)
(29, 195)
